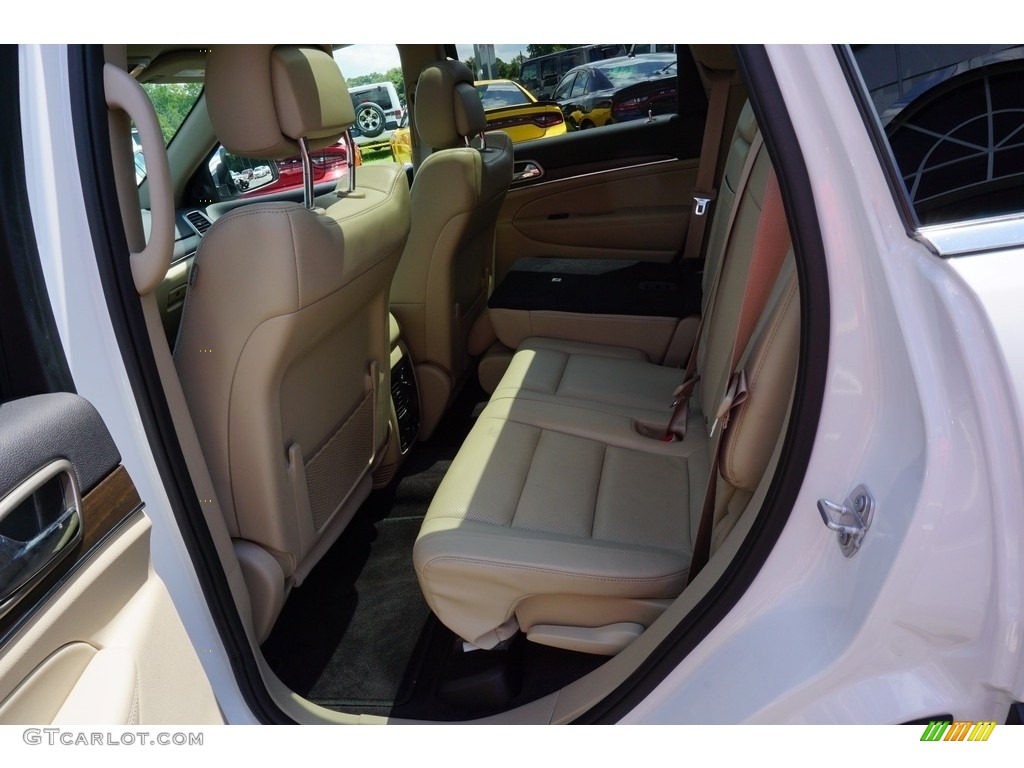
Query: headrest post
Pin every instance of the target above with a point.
(483, 140)
(350, 147)
(307, 173)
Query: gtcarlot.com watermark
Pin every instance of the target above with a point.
(68, 737)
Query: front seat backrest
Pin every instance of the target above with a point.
(283, 350)
(443, 278)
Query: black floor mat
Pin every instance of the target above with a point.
(347, 634)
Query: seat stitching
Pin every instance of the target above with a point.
(597, 496)
(526, 478)
(667, 578)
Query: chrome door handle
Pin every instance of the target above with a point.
(526, 170)
(40, 523)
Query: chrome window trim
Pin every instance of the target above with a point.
(964, 237)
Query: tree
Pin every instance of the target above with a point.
(502, 70)
(172, 103)
(511, 70)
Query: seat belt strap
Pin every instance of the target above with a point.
(704, 191)
(736, 395)
(680, 403)
(770, 247)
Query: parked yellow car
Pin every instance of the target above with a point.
(509, 107)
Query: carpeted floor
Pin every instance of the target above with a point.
(358, 636)
(352, 635)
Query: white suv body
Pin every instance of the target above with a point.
(378, 112)
(921, 403)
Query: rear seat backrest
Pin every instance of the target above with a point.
(721, 319)
(770, 365)
(743, 138)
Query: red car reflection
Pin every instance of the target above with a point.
(329, 164)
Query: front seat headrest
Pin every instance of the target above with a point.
(263, 98)
(447, 105)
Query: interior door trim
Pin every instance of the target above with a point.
(105, 509)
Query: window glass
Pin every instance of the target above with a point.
(172, 103)
(593, 85)
(954, 119)
(502, 94)
(235, 176)
(580, 86)
(373, 74)
(562, 91)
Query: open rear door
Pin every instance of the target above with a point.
(88, 631)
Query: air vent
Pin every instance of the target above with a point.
(198, 221)
(407, 403)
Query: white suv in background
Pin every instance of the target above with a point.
(378, 112)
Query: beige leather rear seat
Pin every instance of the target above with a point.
(559, 518)
(620, 377)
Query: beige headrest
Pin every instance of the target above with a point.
(263, 98)
(447, 105)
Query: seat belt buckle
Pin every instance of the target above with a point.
(684, 390)
(702, 201)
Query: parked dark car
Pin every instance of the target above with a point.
(617, 90)
(541, 74)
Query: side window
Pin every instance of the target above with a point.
(579, 88)
(376, 86)
(172, 103)
(549, 72)
(528, 77)
(564, 87)
(571, 59)
(952, 117)
(596, 86)
(234, 176)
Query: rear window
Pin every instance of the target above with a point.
(634, 70)
(494, 95)
(379, 95)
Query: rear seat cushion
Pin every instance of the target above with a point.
(547, 501)
(612, 378)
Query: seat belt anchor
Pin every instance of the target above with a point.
(701, 205)
(735, 396)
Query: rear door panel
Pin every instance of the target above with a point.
(94, 638)
(620, 191)
(635, 212)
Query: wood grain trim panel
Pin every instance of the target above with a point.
(105, 506)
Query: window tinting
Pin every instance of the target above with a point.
(954, 118)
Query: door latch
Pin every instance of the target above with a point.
(851, 519)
